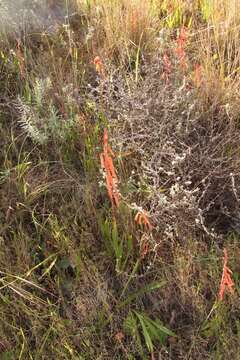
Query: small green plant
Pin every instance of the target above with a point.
(174, 14)
(151, 330)
(40, 117)
(212, 326)
(119, 246)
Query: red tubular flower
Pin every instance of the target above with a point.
(99, 66)
(108, 167)
(141, 218)
(226, 281)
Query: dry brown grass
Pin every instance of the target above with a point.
(218, 48)
(120, 26)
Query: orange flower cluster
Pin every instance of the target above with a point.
(180, 50)
(141, 218)
(99, 66)
(226, 281)
(108, 167)
(119, 336)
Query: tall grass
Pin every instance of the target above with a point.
(218, 47)
(121, 27)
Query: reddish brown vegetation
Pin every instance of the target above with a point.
(99, 66)
(142, 219)
(108, 167)
(226, 281)
(198, 75)
(20, 57)
(180, 50)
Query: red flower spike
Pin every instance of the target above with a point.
(180, 50)
(99, 66)
(226, 281)
(108, 166)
